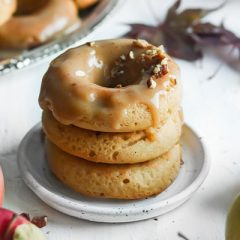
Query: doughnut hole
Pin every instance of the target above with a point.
(111, 66)
(125, 73)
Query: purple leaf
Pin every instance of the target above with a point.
(182, 33)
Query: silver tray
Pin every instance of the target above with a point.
(25, 58)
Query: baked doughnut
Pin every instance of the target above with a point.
(125, 181)
(32, 29)
(120, 85)
(7, 8)
(114, 148)
(85, 3)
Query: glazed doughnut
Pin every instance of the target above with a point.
(114, 148)
(53, 17)
(85, 3)
(7, 8)
(121, 85)
(125, 181)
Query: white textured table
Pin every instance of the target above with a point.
(211, 107)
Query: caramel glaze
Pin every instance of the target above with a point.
(42, 24)
(82, 81)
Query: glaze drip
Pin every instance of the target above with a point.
(105, 79)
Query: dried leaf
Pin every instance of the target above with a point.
(209, 34)
(143, 31)
(182, 33)
(181, 46)
(187, 17)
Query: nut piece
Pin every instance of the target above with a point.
(123, 57)
(151, 52)
(165, 69)
(131, 55)
(161, 49)
(157, 69)
(119, 86)
(164, 61)
(151, 83)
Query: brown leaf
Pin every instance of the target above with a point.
(209, 34)
(181, 45)
(187, 17)
(182, 33)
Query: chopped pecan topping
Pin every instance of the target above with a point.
(157, 69)
(151, 83)
(119, 86)
(164, 61)
(26, 215)
(161, 49)
(165, 69)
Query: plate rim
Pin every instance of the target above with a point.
(46, 195)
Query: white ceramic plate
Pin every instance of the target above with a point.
(35, 172)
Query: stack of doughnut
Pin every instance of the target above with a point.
(112, 118)
(29, 23)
